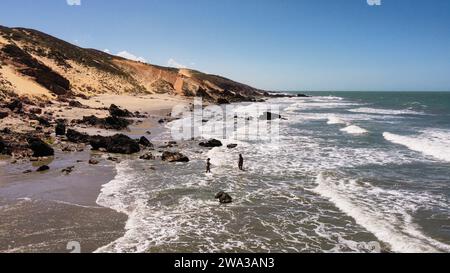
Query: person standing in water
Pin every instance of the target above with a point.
(208, 165)
(241, 162)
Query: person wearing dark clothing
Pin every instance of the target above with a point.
(241, 162)
(208, 165)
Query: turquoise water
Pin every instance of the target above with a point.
(345, 172)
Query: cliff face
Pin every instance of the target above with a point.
(34, 64)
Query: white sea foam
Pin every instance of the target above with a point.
(385, 213)
(335, 120)
(385, 111)
(435, 143)
(354, 130)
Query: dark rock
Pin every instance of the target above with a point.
(2, 146)
(15, 105)
(99, 142)
(211, 143)
(42, 120)
(231, 146)
(93, 162)
(68, 170)
(147, 156)
(224, 198)
(43, 168)
(161, 121)
(3, 115)
(110, 123)
(122, 144)
(76, 104)
(60, 129)
(77, 137)
(113, 159)
(115, 111)
(302, 96)
(40, 148)
(36, 111)
(223, 101)
(117, 144)
(269, 116)
(145, 142)
(174, 157)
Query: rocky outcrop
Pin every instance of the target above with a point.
(117, 144)
(224, 198)
(109, 123)
(174, 157)
(60, 129)
(212, 143)
(145, 142)
(40, 148)
(77, 137)
(116, 111)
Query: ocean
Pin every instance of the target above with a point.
(340, 172)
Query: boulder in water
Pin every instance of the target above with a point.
(224, 198)
(231, 146)
(145, 142)
(269, 116)
(212, 143)
(174, 157)
(43, 168)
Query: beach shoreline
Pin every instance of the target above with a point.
(43, 212)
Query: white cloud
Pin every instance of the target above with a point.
(130, 56)
(73, 2)
(171, 62)
(106, 51)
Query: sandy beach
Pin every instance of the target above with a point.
(43, 212)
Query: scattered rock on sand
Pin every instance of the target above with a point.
(43, 168)
(224, 198)
(40, 148)
(211, 143)
(174, 157)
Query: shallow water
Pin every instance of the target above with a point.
(347, 172)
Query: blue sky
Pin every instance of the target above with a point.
(275, 45)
